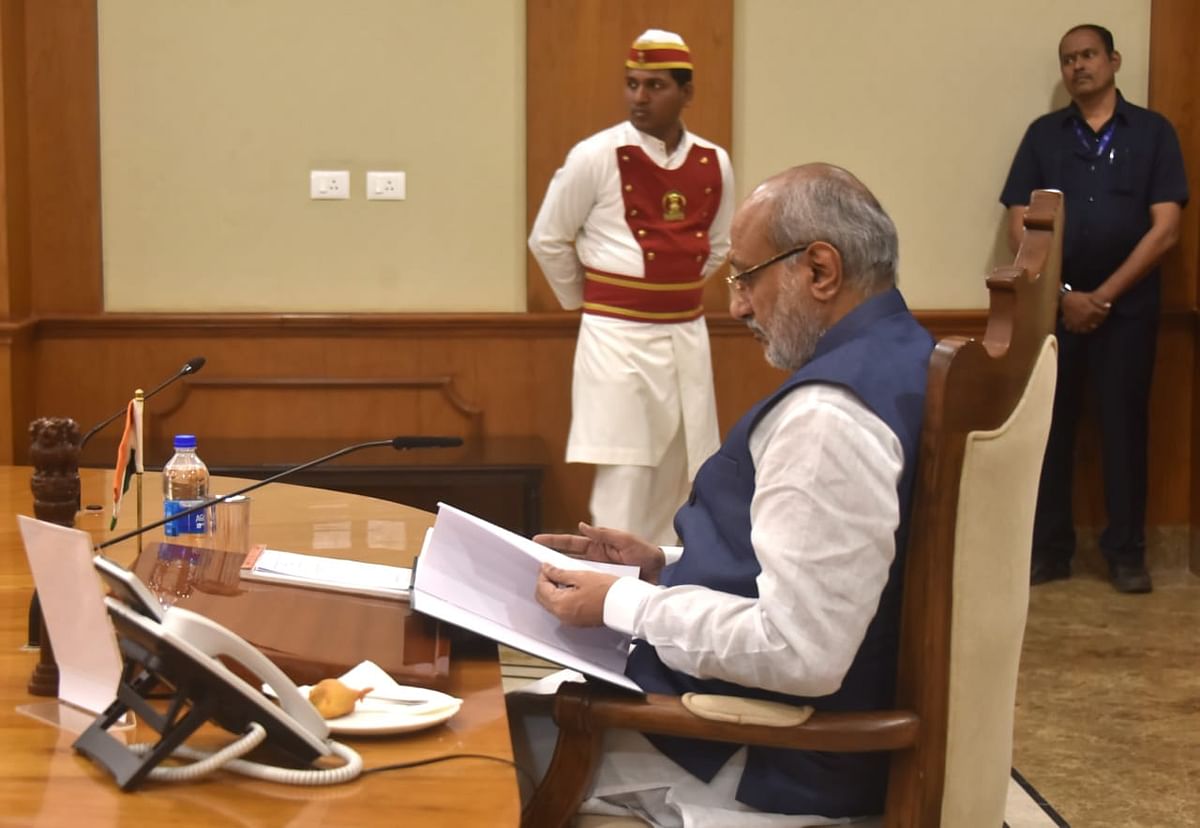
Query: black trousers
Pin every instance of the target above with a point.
(1115, 363)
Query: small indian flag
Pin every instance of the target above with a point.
(129, 456)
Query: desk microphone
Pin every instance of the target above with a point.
(398, 443)
(190, 367)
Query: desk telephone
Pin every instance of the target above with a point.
(181, 650)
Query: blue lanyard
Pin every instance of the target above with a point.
(1099, 144)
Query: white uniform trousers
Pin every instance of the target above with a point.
(643, 499)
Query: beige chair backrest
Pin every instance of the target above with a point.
(966, 591)
(996, 500)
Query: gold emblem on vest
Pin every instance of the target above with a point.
(673, 203)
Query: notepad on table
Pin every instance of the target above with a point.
(296, 569)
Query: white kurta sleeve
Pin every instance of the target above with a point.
(718, 232)
(568, 202)
(823, 515)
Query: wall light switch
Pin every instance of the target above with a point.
(386, 186)
(326, 184)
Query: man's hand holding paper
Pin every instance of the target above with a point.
(574, 596)
(609, 546)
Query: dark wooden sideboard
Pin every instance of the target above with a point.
(498, 478)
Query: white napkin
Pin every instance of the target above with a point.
(385, 689)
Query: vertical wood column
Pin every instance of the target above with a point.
(1175, 92)
(15, 275)
(575, 62)
(50, 243)
(63, 89)
(14, 164)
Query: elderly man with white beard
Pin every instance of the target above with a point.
(787, 585)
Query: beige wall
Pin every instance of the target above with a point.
(925, 100)
(214, 111)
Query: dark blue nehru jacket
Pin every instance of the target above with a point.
(881, 354)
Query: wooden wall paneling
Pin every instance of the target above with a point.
(567, 486)
(516, 369)
(575, 57)
(285, 401)
(1174, 81)
(253, 383)
(324, 406)
(64, 155)
(15, 277)
(454, 357)
(1172, 414)
(14, 164)
(510, 389)
(16, 405)
(524, 385)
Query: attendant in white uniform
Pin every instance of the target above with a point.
(788, 583)
(634, 221)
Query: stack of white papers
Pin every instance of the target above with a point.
(476, 575)
(340, 575)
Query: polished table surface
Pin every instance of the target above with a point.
(496, 478)
(44, 782)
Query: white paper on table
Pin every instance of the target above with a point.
(72, 599)
(476, 575)
(298, 569)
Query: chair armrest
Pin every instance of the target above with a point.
(667, 716)
(583, 712)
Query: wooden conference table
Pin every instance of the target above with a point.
(44, 782)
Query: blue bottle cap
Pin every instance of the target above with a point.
(185, 441)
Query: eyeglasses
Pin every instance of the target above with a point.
(741, 281)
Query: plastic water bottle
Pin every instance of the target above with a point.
(185, 484)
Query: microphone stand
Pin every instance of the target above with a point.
(190, 367)
(397, 443)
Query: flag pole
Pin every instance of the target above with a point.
(139, 398)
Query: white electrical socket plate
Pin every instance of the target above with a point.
(385, 186)
(329, 184)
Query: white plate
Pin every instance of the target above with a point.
(376, 717)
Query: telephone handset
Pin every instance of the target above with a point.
(128, 587)
(181, 650)
(213, 640)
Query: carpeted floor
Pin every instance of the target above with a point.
(1108, 704)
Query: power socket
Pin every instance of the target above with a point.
(329, 184)
(385, 186)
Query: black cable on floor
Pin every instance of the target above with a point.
(434, 759)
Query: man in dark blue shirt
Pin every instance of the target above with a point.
(1121, 171)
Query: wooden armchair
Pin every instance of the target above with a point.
(966, 590)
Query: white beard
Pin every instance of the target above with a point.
(795, 330)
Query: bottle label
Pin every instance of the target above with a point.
(194, 524)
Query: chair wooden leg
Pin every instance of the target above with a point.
(908, 802)
(576, 755)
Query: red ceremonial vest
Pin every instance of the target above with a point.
(669, 213)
